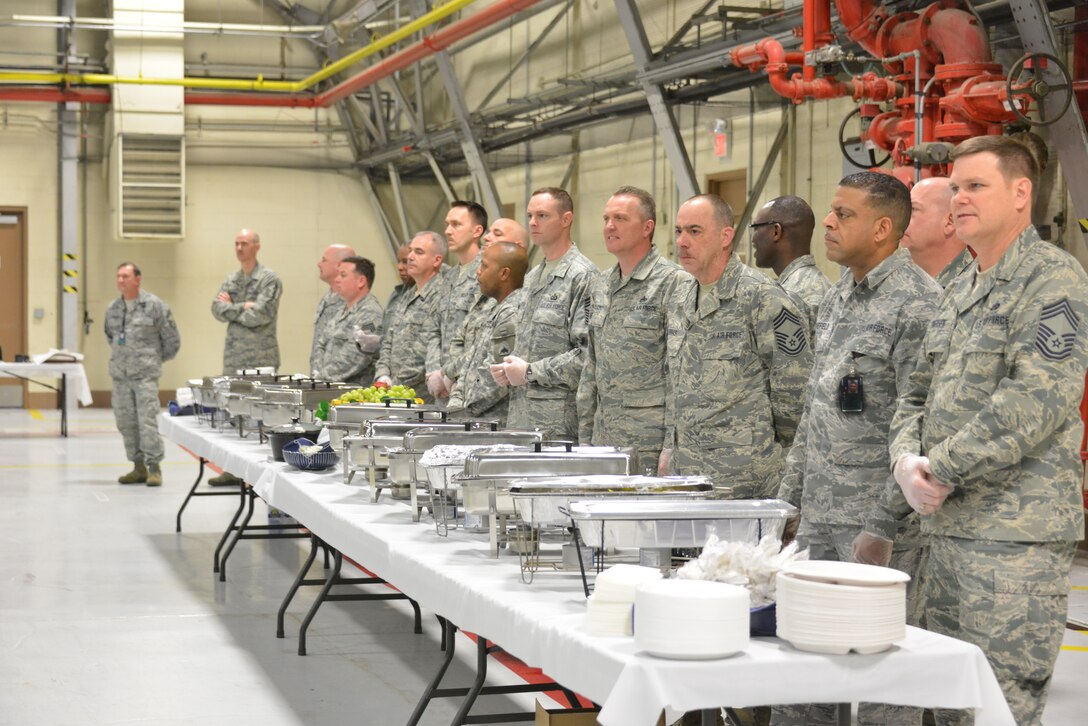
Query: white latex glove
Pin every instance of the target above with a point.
(498, 372)
(924, 493)
(435, 386)
(447, 382)
(663, 462)
(367, 342)
(384, 379)
(515, 370)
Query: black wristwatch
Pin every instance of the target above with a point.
(529, 374)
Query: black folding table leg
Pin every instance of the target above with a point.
(448, 632)
(64, 405)
(199, 477)
(230, 527)
(246, 492)
(417, 626)
(477, 684)
(337, 563)
(314, 544)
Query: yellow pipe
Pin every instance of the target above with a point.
(259, 84)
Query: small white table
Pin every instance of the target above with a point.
(33, 371)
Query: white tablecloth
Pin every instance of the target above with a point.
(543, 623)
(77, 377)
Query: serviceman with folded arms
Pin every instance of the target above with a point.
(738, 361)
(867, 338)
(931, 237)
(248, 302)
(142, 334)
(415, 339)
(986, 438)
(501, 273)
(339, 357)
(781, 239)
(621, 394)
(546, 364)
(331, 303)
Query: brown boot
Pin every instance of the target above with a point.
(138, 475)
(226, 479)
(154, 475)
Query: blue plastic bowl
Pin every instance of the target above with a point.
(309, 462)
(763, 621)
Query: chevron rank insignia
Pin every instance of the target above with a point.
(789, 335)
(1057, 331)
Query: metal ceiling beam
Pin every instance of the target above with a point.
(528, 52)
(664, 118)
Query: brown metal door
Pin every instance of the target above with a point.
(13, 324)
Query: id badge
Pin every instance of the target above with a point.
(851, 394)
(121, 338)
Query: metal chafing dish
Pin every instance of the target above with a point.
(360, 413)
(403, 461)
(295, 399)
(366, 451)
(488, 476)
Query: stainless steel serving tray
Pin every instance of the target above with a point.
(544, 501)
(663, 524)
(307, 393)
(362, 412)
(421, 439)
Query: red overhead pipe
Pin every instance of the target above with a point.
(54, 94)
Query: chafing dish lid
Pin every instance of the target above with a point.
(421, 439)
(607, 483)
(631, 509)
(518, 464)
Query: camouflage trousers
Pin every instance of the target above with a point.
(1009, 599)
(835, 542)
(136, 410)
(556, 415)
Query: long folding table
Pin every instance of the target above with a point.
(543, 623)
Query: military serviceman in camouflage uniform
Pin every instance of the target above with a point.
(738, 361)
(414, 340)
(546, 364)
(248, 302)
(502, 230)
(621, 395)
(142, 334)
(339, 357)
(781, 237)
(466, 223)
(867, 338)
(986, 437)
(501, 274)
(931, 237)
(331, 303)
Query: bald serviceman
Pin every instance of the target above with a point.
(331, 303)
(931, 237)
(781, 238)
(507, 230)
(501, 230)
(501, 275)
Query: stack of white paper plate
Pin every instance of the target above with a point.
(836, 607)
(691, 619)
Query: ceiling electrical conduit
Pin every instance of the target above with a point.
(258, 84)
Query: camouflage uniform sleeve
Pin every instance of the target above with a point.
(565, 369)
(168, 333)
(905, 433)
(507, 320)
(793, 474)
(264, 308)
(432, 334)
(1039, 391)
(106, 324)
(382, 368)
(587, 394)
(915, 318)
(225, 312)
(788, 364)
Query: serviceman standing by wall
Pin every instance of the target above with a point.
(547, 360)
(248, 302)
(931, 237)
(142, 334)
(986, 438)
(331, 303)
(621, 394)
(738, 361)
(782, 239)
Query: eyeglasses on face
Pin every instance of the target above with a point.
(754, 225)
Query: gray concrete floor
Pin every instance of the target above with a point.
(109, 617)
